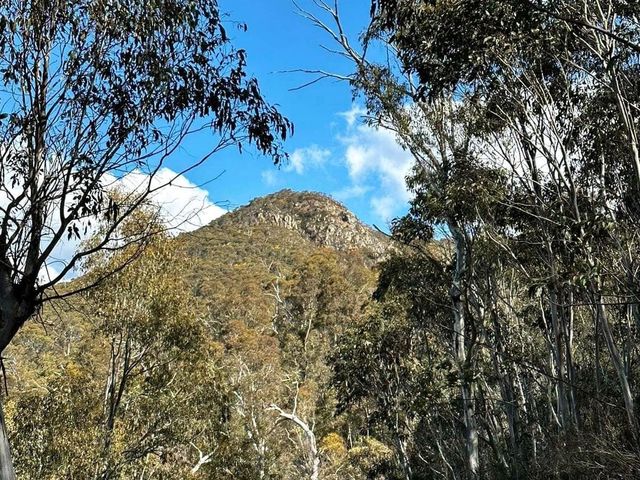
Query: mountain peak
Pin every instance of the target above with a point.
(317, 217)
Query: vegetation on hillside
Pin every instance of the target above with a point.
(523, 120)
(206, 357)
(498, 340)
(93, 92)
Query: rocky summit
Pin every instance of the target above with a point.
(315, 217)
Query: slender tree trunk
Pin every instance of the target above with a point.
(491, 423)
(404, 458)
(617, 363)
(505, 381)
(6, 464)
(597, 370)
(312, 453)
(558, 344)
(459, 343)
(571, 371)
(117, 379)
(530, 421)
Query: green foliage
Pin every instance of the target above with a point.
(93, 91)
(522, 118)
(128, 378)
(180, 354)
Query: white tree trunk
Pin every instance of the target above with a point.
(313, 455)
(618, 365)
(459, 350)
(202, 460)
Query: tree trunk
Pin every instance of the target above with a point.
(313, 454)
(15, 308)
(6, 464)
(558, 348)
(617, 363)
(505, 373)
(459, 350)
(404, 458)
(571, 370)
(597, 371)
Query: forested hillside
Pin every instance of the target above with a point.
(492, 335)
(514, 354)
(208, 356)
(259, 347)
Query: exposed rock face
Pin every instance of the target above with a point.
(314, 216)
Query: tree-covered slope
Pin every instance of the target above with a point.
(207, 357)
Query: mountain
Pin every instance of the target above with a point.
(206, 336)
(276, 241)
(315, 217)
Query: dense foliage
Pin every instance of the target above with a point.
(523, 119)
(93, 91)
(207, 357)
(500, 340)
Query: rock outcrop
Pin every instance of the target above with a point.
(316, 217)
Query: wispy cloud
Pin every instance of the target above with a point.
(376, 162)
(353, 115)
(367, 164)
(353, 191)
(270, 177)
(384, 207)
(301, 161)
(302, 158)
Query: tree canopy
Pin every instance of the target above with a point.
(92, 91)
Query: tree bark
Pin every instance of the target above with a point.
(459, 343)
(558, 345)
(617, 363)
(6, 464)
(313, 455)
(16, 306)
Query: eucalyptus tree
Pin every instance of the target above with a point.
(547, 87)
(93, 90)
(130, 395)
(441, 134)
(155, 361)
(553, 81)
(539, 69)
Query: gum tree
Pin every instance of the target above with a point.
(92, 90)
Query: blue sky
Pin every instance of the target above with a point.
(331, 150)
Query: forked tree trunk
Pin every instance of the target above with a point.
(6, 464)
(312, 453)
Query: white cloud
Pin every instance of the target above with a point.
(376, 165)
(385, 207)
(374, 157)
(353, 191)
(353, 115)
(183, 206)
(270, 177)
(302, 158)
